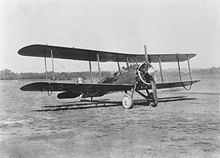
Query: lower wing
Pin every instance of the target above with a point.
(169, 85)
(176, 84)
(88, 90)
(95, 90)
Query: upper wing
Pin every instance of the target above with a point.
(104, 56)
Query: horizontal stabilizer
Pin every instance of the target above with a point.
(66, 95)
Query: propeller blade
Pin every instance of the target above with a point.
(152, 82)
(146, 56)
(154, 89)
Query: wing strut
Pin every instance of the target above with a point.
(100, 77)
(189, 67)
(45, 64)
(136, 60)
(189, 74)
(127, 62)
(90, 69)
(179, 67)
(161, 73)
(51, 51)
(180, 72)
(119, 69)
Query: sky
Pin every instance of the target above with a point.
(168, 26)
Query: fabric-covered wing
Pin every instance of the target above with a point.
(38, 50)
(172, 84)
(176, 84)
(76, 88)
(89, 90)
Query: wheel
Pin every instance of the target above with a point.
(153, 105)
(127, 101)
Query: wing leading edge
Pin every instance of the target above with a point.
(95, 90)
(38, 50)
(88, 90)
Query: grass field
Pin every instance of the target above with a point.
(185, 124)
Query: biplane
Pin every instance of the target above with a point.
(139, 77)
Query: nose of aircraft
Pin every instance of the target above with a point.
(151, 71)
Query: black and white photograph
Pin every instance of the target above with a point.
(110, 79)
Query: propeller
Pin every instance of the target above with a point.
(152, 80)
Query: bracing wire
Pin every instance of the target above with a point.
(67, 69)
(62, 66)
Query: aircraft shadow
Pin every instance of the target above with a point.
(87, 104)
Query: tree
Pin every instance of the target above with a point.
(7, 74)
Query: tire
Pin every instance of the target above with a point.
(127, 101)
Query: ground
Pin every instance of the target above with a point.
(185, 125)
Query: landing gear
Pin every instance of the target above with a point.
(127, 100)
(145, 77)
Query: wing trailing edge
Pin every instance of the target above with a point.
(93, 90)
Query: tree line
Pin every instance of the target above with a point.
(7, 74)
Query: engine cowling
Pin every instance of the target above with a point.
(146, 74)
(66, 95)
